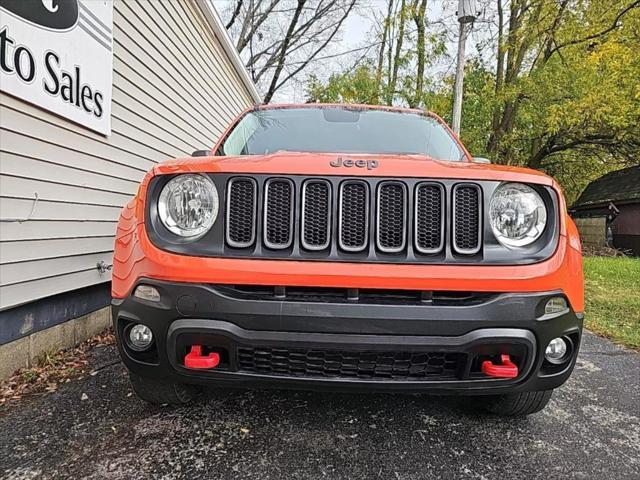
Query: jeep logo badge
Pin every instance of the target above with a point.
(348, 162)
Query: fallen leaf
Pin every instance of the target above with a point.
(55, 368)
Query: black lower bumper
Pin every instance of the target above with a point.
(309, 342)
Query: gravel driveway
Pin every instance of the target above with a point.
(590, 430)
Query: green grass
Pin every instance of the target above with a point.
(612, 291)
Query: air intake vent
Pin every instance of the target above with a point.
(241, 212)
(354, 216)
(278, 213)
(316, 214)
(466, 219)
(392, 217)
(372, 365)
(429, 211)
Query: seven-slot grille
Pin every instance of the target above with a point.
(351, 364)
(353, 216)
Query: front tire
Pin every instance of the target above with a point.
(516, 404)
(159, 392)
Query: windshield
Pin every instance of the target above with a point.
(340, 130)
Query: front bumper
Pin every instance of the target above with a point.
(413, 337)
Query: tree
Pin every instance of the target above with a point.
(357, 86)
(397, 60)
(419, 11)
(279, 39)
(381, 51)
(398, 70)
(477, 108)
(560, 93)
(552, 57)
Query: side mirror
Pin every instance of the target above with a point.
(201, 153)
(481, 160)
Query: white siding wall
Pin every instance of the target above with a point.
(174, 91)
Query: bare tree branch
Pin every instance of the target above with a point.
(253, 21)
(278, 39)
(283, 52)
(321, 47)
(234, 15)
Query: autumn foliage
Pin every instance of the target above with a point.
(560, 90)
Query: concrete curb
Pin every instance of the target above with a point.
(22, 353)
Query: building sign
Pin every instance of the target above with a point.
(58, 54)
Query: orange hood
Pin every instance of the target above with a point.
(324, 164)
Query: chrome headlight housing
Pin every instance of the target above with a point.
(188, 205)
(517, 214)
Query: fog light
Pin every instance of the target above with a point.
(147, 292)
(556, 350)
(555, 305)
(140, 337)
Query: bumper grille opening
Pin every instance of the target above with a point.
(355, 295)
(351, 364)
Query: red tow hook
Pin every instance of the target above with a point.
(507, 369)
(195, 360)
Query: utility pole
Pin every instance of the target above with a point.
(466, 16)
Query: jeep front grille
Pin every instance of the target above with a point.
(353, 219)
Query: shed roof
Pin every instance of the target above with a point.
(619, 186)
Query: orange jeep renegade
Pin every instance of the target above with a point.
(349, 247)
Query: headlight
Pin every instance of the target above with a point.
(517, 214)
(188, 205)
